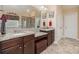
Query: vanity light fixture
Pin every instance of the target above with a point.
(43, 8)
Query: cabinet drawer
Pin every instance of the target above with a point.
(29, 37)
(41, 49)
(12, 50)
(10, 42)
(50, 36)
(41, 37)
(41, 43)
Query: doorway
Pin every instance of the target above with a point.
(70, 25)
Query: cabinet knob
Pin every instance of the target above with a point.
(24, 45)
(20, 47)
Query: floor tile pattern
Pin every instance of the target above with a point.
(64, 46)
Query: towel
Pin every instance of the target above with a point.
(4, 17)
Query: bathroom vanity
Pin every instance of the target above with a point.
(17, 44)
(23, 43)
(40, 42)
(51, 35)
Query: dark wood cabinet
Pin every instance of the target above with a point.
(40, 43)
(13, 17)
(13, 50)
(29, 47)
(29, 44)
(12, 46)
(11, 42)
(51, 36)
(18, 45)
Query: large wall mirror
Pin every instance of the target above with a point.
(44, 15)
(11, 23)
(27, 22)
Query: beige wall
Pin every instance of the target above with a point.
(59, 23)
(78, 23)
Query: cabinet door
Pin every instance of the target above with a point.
(29, 47)
(53, 35)
(13, 50)
(49, 38)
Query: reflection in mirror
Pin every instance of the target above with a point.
(37, 23)
(27, 22)
(12, 25)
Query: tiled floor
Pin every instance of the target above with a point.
(64, 46)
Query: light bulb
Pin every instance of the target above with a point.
(28, 10)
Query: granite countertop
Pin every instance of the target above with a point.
(14, 35)
(37, 34)
(20, 34)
